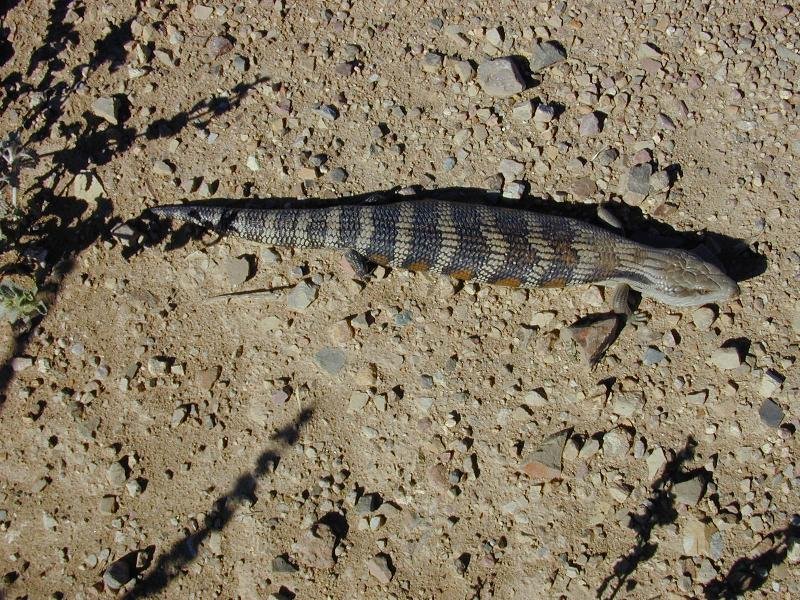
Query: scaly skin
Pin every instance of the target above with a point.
(501, 246)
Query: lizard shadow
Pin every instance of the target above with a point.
(739, 259)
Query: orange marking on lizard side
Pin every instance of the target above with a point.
(419, 265)
(558, 282)
(462, 274)
(509, 282)
(380, 259)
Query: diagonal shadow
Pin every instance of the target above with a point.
(55, 225)
(749, 574)
(659, 509)
(169, 565)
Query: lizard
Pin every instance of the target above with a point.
(495, 245)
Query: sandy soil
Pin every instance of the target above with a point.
(181, 445)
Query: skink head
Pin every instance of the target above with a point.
(680, 278)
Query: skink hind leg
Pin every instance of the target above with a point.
(620, 304)
(361, 265)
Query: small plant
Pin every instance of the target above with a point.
(19, 304)
(13, 158)
(16, 303)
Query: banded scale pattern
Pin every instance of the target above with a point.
(489, 244)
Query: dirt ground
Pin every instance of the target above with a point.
(327, 438)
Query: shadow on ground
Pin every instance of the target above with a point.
(46, 239)
(748, 574)
(659, 509)
(170, 564)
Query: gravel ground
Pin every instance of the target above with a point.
(412, 437)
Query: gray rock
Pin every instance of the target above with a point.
(107, 108)
(628, 404)
(301, 296)
(328, 112)
(162, 167)
(589, 125)
(689, 492)
(606, 157)
(523, 111)
(281, 564)
(639, 179)
(236, 269)
(380, 567)
(501, 77)
(432, 62)
(464, 70)
(330, 360)
(771, 413)
(546, 54)
(659, 181)
(367, 503)
(240, 63)
(617, 442)
(544, 462)
(449, 163)
(315, 547)
(117, 574)
(653, 356)
(338, 175)
(726, 358)
(544, 113)
(218, 45)
(116, 474)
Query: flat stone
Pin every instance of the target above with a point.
(338, 175)
(770, 384)
(617, 442)
(726, 358)
(117, 574)
(315, 547)
(217, 45)
(236, 269)
(330, 360)
(206, 378)
(771, 413)
(589, 448)
(380, 567)
(544, 462)
(626, 405)
(281, 564)
(20, 363)
(367, 503)
(594, 335)
(202, 12)
(432, 62)
(301, 296)
(660, 181)
(501, 77)
(116, 474)
(697, 537)
(546, 54)
(107, 108)
(511, 169)
(523, 111)
(689, 492)
(606, 157)
(544, 113)
(648, 51)
(589, 125)
(163, 168)
(653, 356)
(464, 70)
(655, 461)
(585, 187)
(639, 179)
(703, 317)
